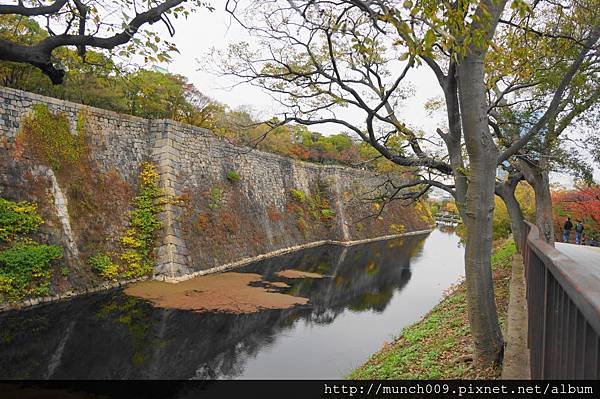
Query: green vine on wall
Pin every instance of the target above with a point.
(313, 206)
(298, 195)
(215, 197)
(17, 218)
(103, 265)
(138, 241)
(233, 176)
(48, 136)
(25, 266)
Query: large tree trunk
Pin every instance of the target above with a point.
(538, 179)
(543, 207)
(454, 139)
(479, 208)
(506, 191)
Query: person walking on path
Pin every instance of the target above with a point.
(567, 230)
(578, 232)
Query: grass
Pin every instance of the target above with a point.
(439, 345)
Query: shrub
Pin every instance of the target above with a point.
(233, 176)
(314, 205)
(7, 291)
(104, 266)
(215, 197)
(327, 214)
(298, 195)
(17, 218)
(397, 228)
(25, 269)
(138, 264)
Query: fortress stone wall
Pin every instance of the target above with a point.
(223, 203)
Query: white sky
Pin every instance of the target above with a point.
(204, 30)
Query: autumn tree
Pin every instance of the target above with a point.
(84, 24)
(100, 81)
(319, 56)
(583, 203)
(503, 220)
(198, 106)
(547, 85)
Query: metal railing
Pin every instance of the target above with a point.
(563, 300)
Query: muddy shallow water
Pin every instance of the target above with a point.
(340, 304)
(230, 292)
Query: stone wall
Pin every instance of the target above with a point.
(85, 206)
(223, 203)
(220, 220)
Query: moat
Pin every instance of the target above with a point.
(369, 293)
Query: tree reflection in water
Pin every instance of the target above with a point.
(111, 335)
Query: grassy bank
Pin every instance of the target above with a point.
(439, 345)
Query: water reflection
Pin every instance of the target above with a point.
(114, 336)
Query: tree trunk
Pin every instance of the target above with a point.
(506, 191)
(538, 179)
(543, 207)
(483, 318)
(453, 140)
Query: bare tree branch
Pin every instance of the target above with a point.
(40, 54)
(556, 98)
(20, 9)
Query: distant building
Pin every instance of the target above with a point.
(159, 69)
(437, 194)
(501, 174)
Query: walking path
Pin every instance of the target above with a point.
(582, 255)
(516, 353)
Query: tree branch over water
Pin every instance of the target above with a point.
(98, 24)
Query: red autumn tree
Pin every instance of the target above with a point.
(580, 204)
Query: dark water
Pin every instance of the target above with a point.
(377, 289)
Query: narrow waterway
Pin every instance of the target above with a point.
(367, 295)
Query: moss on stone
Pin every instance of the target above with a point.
(48, 136)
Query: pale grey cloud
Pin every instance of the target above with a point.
(205, 30)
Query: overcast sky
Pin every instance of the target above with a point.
(204, 30)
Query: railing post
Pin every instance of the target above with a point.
(545, 322)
